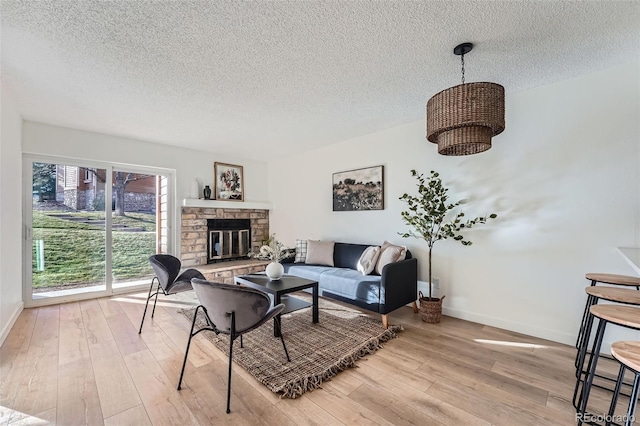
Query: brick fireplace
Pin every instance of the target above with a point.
(195, 235)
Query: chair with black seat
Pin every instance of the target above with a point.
(170, 279)
(233, 310)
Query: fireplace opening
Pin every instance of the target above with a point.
(229, 239)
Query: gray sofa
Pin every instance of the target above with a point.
(396, 287)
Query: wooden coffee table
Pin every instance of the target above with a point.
(280, 289)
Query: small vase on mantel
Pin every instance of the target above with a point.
(206, 192)
(274, 271)
(195, 189)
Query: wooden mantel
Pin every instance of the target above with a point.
(220, 204)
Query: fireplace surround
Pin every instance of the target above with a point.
(195, 232)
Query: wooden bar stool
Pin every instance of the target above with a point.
(594, 294)
(623, 316)
(628, 355)
(612, 279)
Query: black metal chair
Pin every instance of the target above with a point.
(169, 278)
(234, 310)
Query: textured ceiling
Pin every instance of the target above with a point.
(263, 78)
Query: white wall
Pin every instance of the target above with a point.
(10, 214)
(563, 178)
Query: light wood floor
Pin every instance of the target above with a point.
(84, 363)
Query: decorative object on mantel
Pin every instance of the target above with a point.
(195, 189)
(462, 119)
(273, 250)
(426, 214)
(229, 182)
(361, 189)
(206, 192)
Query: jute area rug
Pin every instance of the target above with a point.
(317, 351)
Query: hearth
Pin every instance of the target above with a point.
(228, 239)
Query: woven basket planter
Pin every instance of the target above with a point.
(430, 308)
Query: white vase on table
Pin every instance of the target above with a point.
(274, 271)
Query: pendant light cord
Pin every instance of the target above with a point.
(462, 61)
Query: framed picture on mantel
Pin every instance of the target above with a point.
(229, 182)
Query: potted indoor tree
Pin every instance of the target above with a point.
(432, 218)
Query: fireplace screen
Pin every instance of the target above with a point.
(228, 239)
(228, 244)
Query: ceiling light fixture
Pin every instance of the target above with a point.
(462, 119)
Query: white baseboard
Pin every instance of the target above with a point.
(528, 329)
(12, 321)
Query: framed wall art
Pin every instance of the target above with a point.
(361, 189)
(229, 182)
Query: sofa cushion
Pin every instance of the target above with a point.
(310, 272)
(351, 284)
(389, 253)
(301, 251)
(320, 252)
(368, 260)
(346, 255)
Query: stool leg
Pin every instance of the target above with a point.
(584, 334)
(583, 323)
(585, 315)
(633, 400)
(616, 393)
(582, 354)
(591, 370)
(579, 367)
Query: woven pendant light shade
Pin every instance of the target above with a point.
(463, 119)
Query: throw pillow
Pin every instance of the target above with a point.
(368, 260)
(301, 251)
(389, 253)
(320, 252)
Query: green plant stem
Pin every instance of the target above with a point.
(430, 280)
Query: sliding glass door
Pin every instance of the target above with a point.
(140, 204)
(90, 228)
